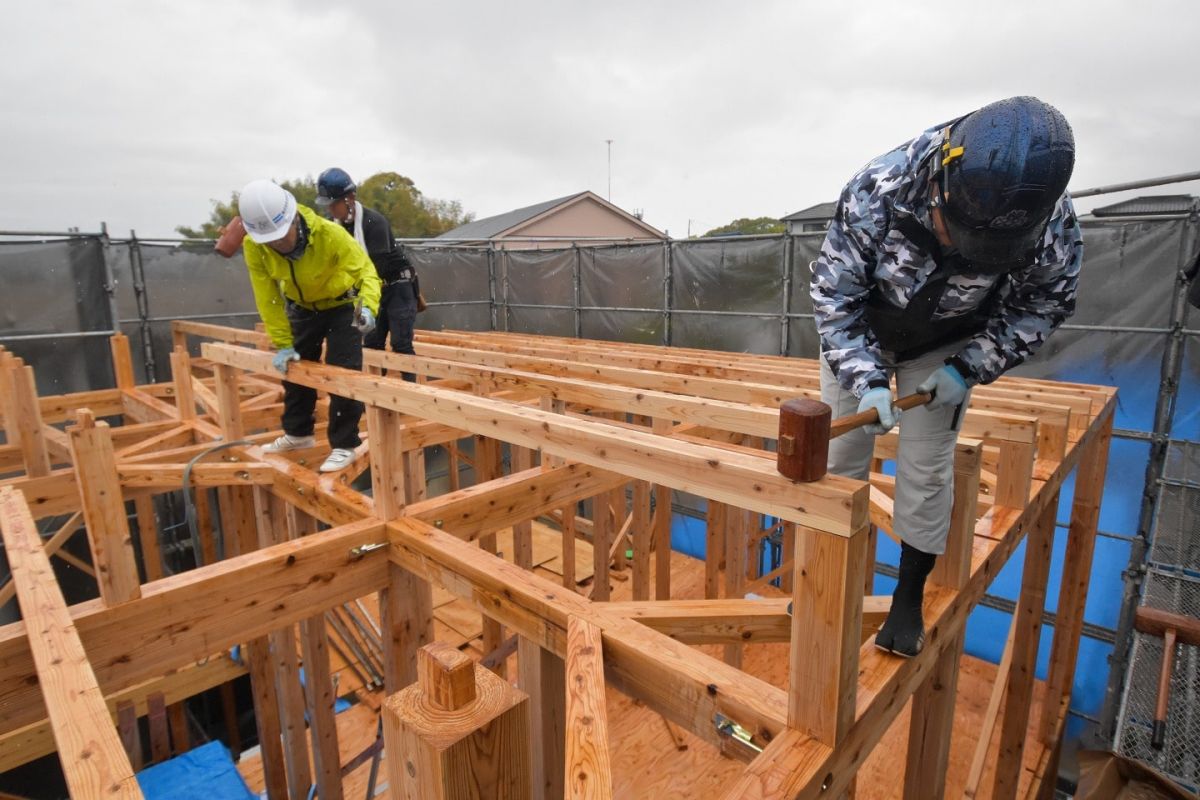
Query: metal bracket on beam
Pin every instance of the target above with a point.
(727, 727)
(357, 553)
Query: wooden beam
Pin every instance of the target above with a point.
(243, 596)
(588, 764)
(181, 329)
(689, 687)
(499, 503)
(60, 537)
(747, 482)
(93, 759)
(204, 474)
(32, 741)
(104, 510)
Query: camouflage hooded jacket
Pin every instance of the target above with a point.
(864, 251)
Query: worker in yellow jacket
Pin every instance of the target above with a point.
(313, 286)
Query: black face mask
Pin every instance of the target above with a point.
(301, 240)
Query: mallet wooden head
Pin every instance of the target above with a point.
(804, 427)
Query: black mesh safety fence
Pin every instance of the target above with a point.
(64, 296)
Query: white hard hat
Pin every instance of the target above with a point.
(267, 210)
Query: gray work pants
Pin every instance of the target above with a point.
(925, 460)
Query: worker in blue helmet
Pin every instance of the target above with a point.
(949, 261)
(338, 195)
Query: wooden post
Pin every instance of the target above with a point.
(1038, 547)
(93, 759)
(1077, 574)
(122, 361)
(736, 535)
(789, 547)
(568, 546)
(522, 459)
(181, 375)
(460, 732)
(229, 402)
(932, 723)
(318, 684)
(406, 606)
(238, 520)
(662, 528)
(641, 540)
(23, 418)
(273, 529)
(542, 676)
(602, 536)
(147, 521)
(826, 628)
(588, 767)
(714, 547)
(104, 510)
(452, 478)
(489, 466)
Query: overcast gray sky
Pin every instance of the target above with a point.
(140, 113)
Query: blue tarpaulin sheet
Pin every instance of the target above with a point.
(201, 774)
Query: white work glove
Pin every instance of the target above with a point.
(947, 387)
(284, 357)
(365, 321)
(879, 399)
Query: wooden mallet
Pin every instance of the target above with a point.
(806, 426)
(1173, 628)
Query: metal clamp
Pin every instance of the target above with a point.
(727, 727)
(357, 553)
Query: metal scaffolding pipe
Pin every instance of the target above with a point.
(1142, 184)
(1164, 411)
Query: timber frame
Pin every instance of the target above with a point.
(583, 420)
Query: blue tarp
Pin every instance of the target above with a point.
(201, 774)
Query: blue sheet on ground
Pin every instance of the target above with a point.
(203, 773)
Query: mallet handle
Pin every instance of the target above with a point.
(1158, 737)
(849, 422)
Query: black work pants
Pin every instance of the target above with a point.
(397, 314)
(343, 348)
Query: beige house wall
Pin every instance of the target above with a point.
(586, 219)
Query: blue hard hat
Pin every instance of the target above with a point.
(333, 184)
(1004, 168)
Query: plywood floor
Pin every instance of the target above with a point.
(647, 759)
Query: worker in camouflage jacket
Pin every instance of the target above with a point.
(949, 260)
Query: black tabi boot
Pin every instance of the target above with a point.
(903, 632)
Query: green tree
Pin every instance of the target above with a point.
(411, 213)
(746, 226)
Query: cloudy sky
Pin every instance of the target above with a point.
(140, 113)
